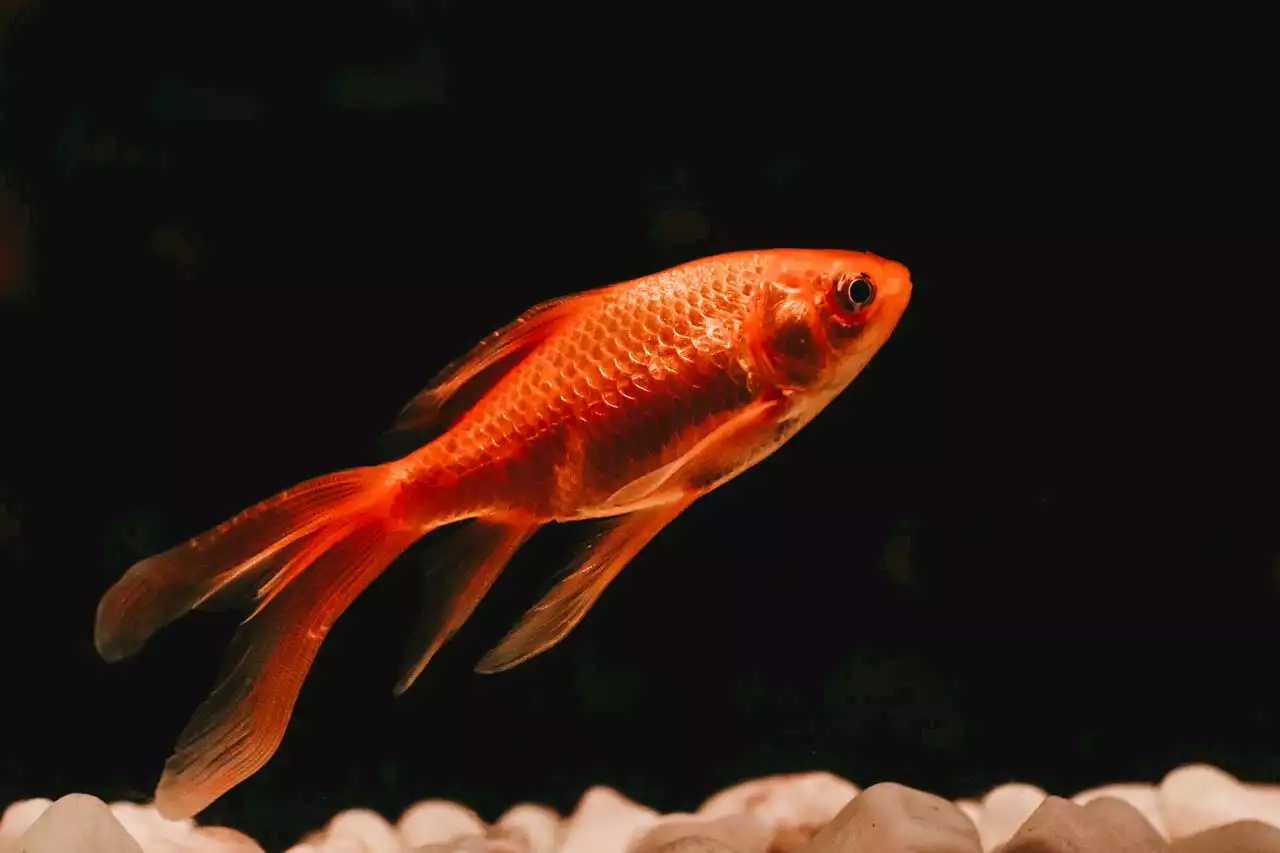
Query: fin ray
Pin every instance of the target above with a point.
(224, 566)
(471, 375)
(469, 565)
(563, 607)
(719, 450)
(241, 724)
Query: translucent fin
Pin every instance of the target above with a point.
(719, 449)
(240, 726)
(230, 561)
(244, 590)
(643, 486)
(463, 381)
(468, 567)
(561, 609)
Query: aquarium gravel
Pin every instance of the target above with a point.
(1194, 809)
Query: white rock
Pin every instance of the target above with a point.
(694, 844)
(1106, 825)
(1242, 836)
(463, 844)
(76, 823)
(343, 845)
(156, 834)
(604, 821)
(222, 839)
(972, 809)
(314, 838)
(742, 833)
(1144, 798)
(1004, 809)
(1197, 797)
(505, 845)
(437, 821)
(20, 815)
(794, 805)
(892, 818)
(367, 827)
(536, 827)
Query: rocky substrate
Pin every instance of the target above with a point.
(1195, 809)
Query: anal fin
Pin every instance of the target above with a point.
(561, 609)
(469, 565)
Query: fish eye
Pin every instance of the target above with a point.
(854, 293)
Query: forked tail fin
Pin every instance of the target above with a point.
(226, 565)
(299, 558)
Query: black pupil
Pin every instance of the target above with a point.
(859, 291)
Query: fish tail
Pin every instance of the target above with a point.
(226, 564)
(299, 558)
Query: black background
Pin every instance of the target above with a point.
(1036, 539)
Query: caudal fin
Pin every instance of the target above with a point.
(300, 558)
(226, 565)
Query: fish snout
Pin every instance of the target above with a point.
(896, 280)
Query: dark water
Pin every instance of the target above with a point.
(1036, 540)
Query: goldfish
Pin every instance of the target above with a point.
(622, 404)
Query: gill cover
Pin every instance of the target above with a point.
(789, 342)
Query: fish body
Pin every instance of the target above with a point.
(623, 404)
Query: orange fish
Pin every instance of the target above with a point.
(625, 403)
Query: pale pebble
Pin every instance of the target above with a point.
(366, 826)
(1126, 820)
(1198, 797)
(224, 838)
(1106, 825)
(1144, 798)
(694, 844)
(158, 834)
(743, 833)
(506, 845)
(19, 816)
(892, 818)
(972, 809)
(799, 797)
(536, 826)
(1244, 836)
(74, 823)
(462, 844)
(604, 820)
(437, 821)
(315, 838)
(1004, 809)
(795, 805)
(343, 845)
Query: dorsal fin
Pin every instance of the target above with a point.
(464, 380)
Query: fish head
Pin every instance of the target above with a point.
(824, 313)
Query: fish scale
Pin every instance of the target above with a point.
(638, 370)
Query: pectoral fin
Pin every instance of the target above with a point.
(719, 449)
(550, 620)
(747, 437)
